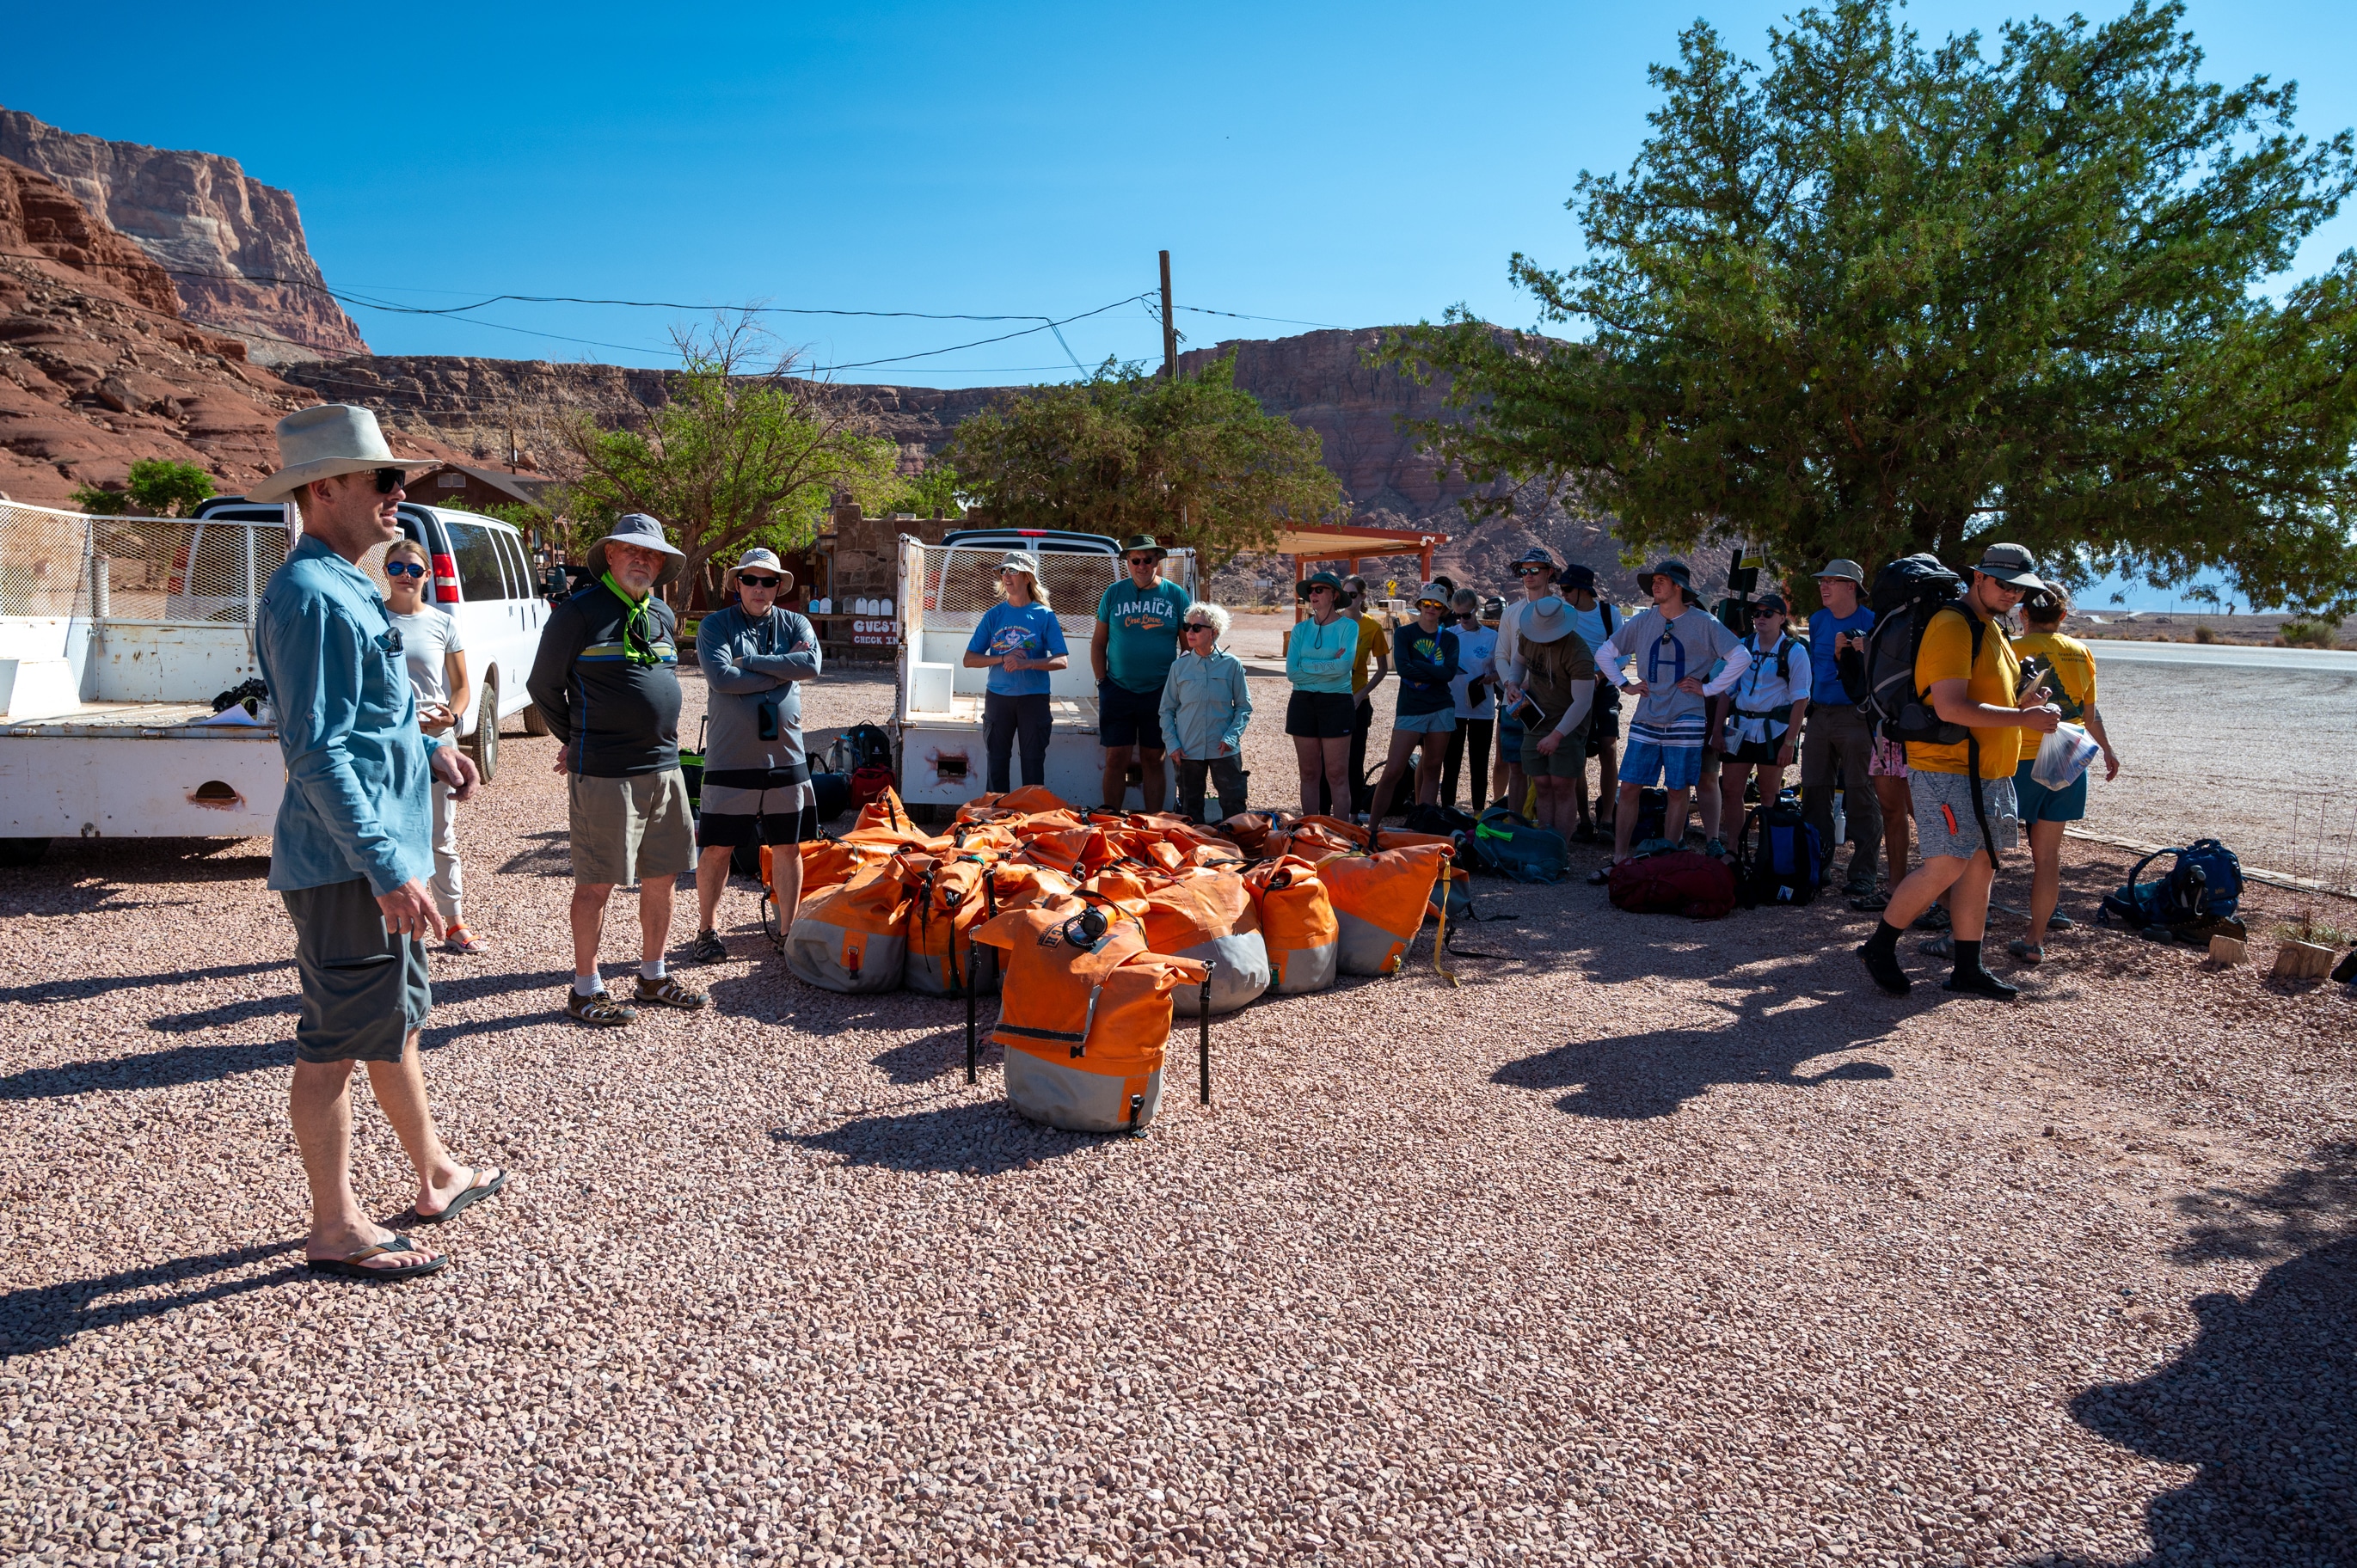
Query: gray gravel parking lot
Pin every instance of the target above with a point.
(1653, 1242)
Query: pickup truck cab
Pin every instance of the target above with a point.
(943, 591)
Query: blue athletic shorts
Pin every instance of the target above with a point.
(1680, 766)
(2039, 804)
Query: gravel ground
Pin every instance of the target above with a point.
(1654, 1242)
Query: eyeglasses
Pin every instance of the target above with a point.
(1533, 571)
(389, 480)
(404, 568)
(1195, 626)
(1142, 560)
(759, 582)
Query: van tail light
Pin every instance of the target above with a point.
(445, 580)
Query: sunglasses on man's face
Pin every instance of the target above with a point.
(759, 582)
(404, 568)
(1531, 571)
(389, 479)
(1142, 560)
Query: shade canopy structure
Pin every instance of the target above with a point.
(1352, 542)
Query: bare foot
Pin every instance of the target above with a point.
(437, 1201)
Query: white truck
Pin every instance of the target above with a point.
(118, 633)
(943, 592)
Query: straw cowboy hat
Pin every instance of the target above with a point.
(637, 528)
(762, 558)
(320, 443)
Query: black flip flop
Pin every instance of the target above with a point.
(467, 1196)
(355, 1267)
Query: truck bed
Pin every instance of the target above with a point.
(965, 708)
(135, 721)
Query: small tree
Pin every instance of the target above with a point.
(157, 486)
(739, 454)
(931, 493)
(1194, 462)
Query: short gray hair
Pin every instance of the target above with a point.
(1211, 615)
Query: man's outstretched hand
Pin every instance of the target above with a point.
(457, 769)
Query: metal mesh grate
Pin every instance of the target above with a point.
(965, 581)
(41, 554)
(144, 568)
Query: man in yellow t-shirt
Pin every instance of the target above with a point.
(1977, 691)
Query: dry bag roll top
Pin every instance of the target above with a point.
(1014, 803)
(855, 938)
(1084, 1025)
(1207, 915)
(950, 899)
(827, 863)
(1296, 924)
(1379, 903)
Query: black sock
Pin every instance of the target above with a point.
(1968, 959)
(1885, 940)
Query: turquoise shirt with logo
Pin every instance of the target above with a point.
(1142, 640)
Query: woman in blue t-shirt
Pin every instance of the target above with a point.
(1018, 641)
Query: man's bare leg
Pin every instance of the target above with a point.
(786, 883)
(654, 917)
(1674, 817)
(399, 1091)
(1149, 777)
(712, 881)
(588, 916)
(1624, 820)
(1115, 784)
(319, 1105)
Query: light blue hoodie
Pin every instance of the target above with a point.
(1318, 658)
(1205, 704)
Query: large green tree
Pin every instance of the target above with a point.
(744, 452)
(1878, 298)
(1193, 462)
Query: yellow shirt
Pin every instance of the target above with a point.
(1947, 649)
(1372, 641)
(2074, 663)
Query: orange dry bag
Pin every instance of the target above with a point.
(854, 937)
(1084, 1019)
(1207, 914)
(1379, 903)
(1296, 922)
(948, 899)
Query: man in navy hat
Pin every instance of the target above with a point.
(606, 680)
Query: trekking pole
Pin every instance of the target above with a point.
(1203, 1041)
(970, 990)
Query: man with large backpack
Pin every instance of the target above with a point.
(1963, 719)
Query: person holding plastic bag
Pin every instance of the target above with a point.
(2067, 666)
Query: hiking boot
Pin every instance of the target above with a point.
(1981, 982)
(599, 1009)
(707, 948)
(1857, 887)
(1885, 969)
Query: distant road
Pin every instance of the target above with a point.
(2220, 655)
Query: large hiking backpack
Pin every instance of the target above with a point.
(1511, 845)
(1674, 882)
(2204, 883)
(1787, 867)
(1907, 593)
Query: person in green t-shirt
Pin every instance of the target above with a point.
(1134, 644)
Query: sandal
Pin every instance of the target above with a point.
(2060, 921)
(2028, 952)
(458, 939)
(355, 1266)
(669, 993)
(1942, 946)
(599, 1009)
(1932, 919)
(1873, 903)
(474, 1192)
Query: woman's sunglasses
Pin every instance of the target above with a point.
(1195, 626)
(404, 568)
(759, 582)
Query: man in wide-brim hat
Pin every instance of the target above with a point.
(606, 680)
(353, 842)
(1135, 641)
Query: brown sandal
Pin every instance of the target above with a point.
(600, 1010)
(668, 992)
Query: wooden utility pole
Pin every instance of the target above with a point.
(1169, 326)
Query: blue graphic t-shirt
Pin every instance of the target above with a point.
(1826, 685)
(1029, 630)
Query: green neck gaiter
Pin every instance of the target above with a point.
(641, 651)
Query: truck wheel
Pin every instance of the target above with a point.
(23, 852)
(534, 720)
(483, 745)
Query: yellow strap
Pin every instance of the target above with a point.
(1441, 940)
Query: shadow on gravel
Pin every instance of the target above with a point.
(2265, 1398)
(79, 876)
(937, 1054)
(42, 1317)
(980, 1139)
(546, 854)
(1634, 1076)
(54, 991)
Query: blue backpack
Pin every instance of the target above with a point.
(2203, 883)
(1788, 866)
(1516, 846)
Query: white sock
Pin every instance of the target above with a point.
(651, 970)
(588, 984)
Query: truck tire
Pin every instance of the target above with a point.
(534, 720)
(483, 745)
(23, 852)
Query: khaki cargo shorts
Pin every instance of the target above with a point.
(630, 828)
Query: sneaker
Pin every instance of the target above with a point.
(599, 1009)
(458, 939)
(1932, 919)
(2059, 922)
(1981, 982)
(1716, 849)
(1856, 890)
(1884, 967)
(669, 993)
(707, 948)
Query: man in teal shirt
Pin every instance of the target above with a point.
(1134, 644)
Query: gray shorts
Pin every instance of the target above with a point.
(1939, 796)
(629, 828)
(364, 988)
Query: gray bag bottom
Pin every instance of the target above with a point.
(1075, 1100)
(1239, 965)
(1366, 946)
(814, 953)
(1308, 969)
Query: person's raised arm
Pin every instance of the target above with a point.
(1952, 700)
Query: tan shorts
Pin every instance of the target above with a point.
(625, 829)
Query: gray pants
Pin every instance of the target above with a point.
(1227, 774)
(449, 886)
(1839, 746)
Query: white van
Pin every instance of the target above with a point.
(482, 577)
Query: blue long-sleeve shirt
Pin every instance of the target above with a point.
(1318, 658)
(1427, 663)
(1205, 704)
(359, 799)
(749, 665)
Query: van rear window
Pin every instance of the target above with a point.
(478, 557)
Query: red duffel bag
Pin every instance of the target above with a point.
(1681, 882)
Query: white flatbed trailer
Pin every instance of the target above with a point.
(944, 589)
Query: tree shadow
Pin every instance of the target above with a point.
(545, 854)
(42, 1317)
(2264, 1400)
(980, 1139)
(1654, 1073)
(50, 991)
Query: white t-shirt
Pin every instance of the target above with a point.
(1474, 650)
(426, 637)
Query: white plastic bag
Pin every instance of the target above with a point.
(2063, 756)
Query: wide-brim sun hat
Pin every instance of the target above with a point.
(2011, 565)
(762, 556)
(1022, 561)
(1844, 570)
(1321, 580)
(326, 440)
(1143, 541)
(637, 528)
(1541, 626)
(1676, 571)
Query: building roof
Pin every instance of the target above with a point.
(1353, 540)
(529, 489)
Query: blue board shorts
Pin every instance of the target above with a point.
(1680, 766)
(2039, 804)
